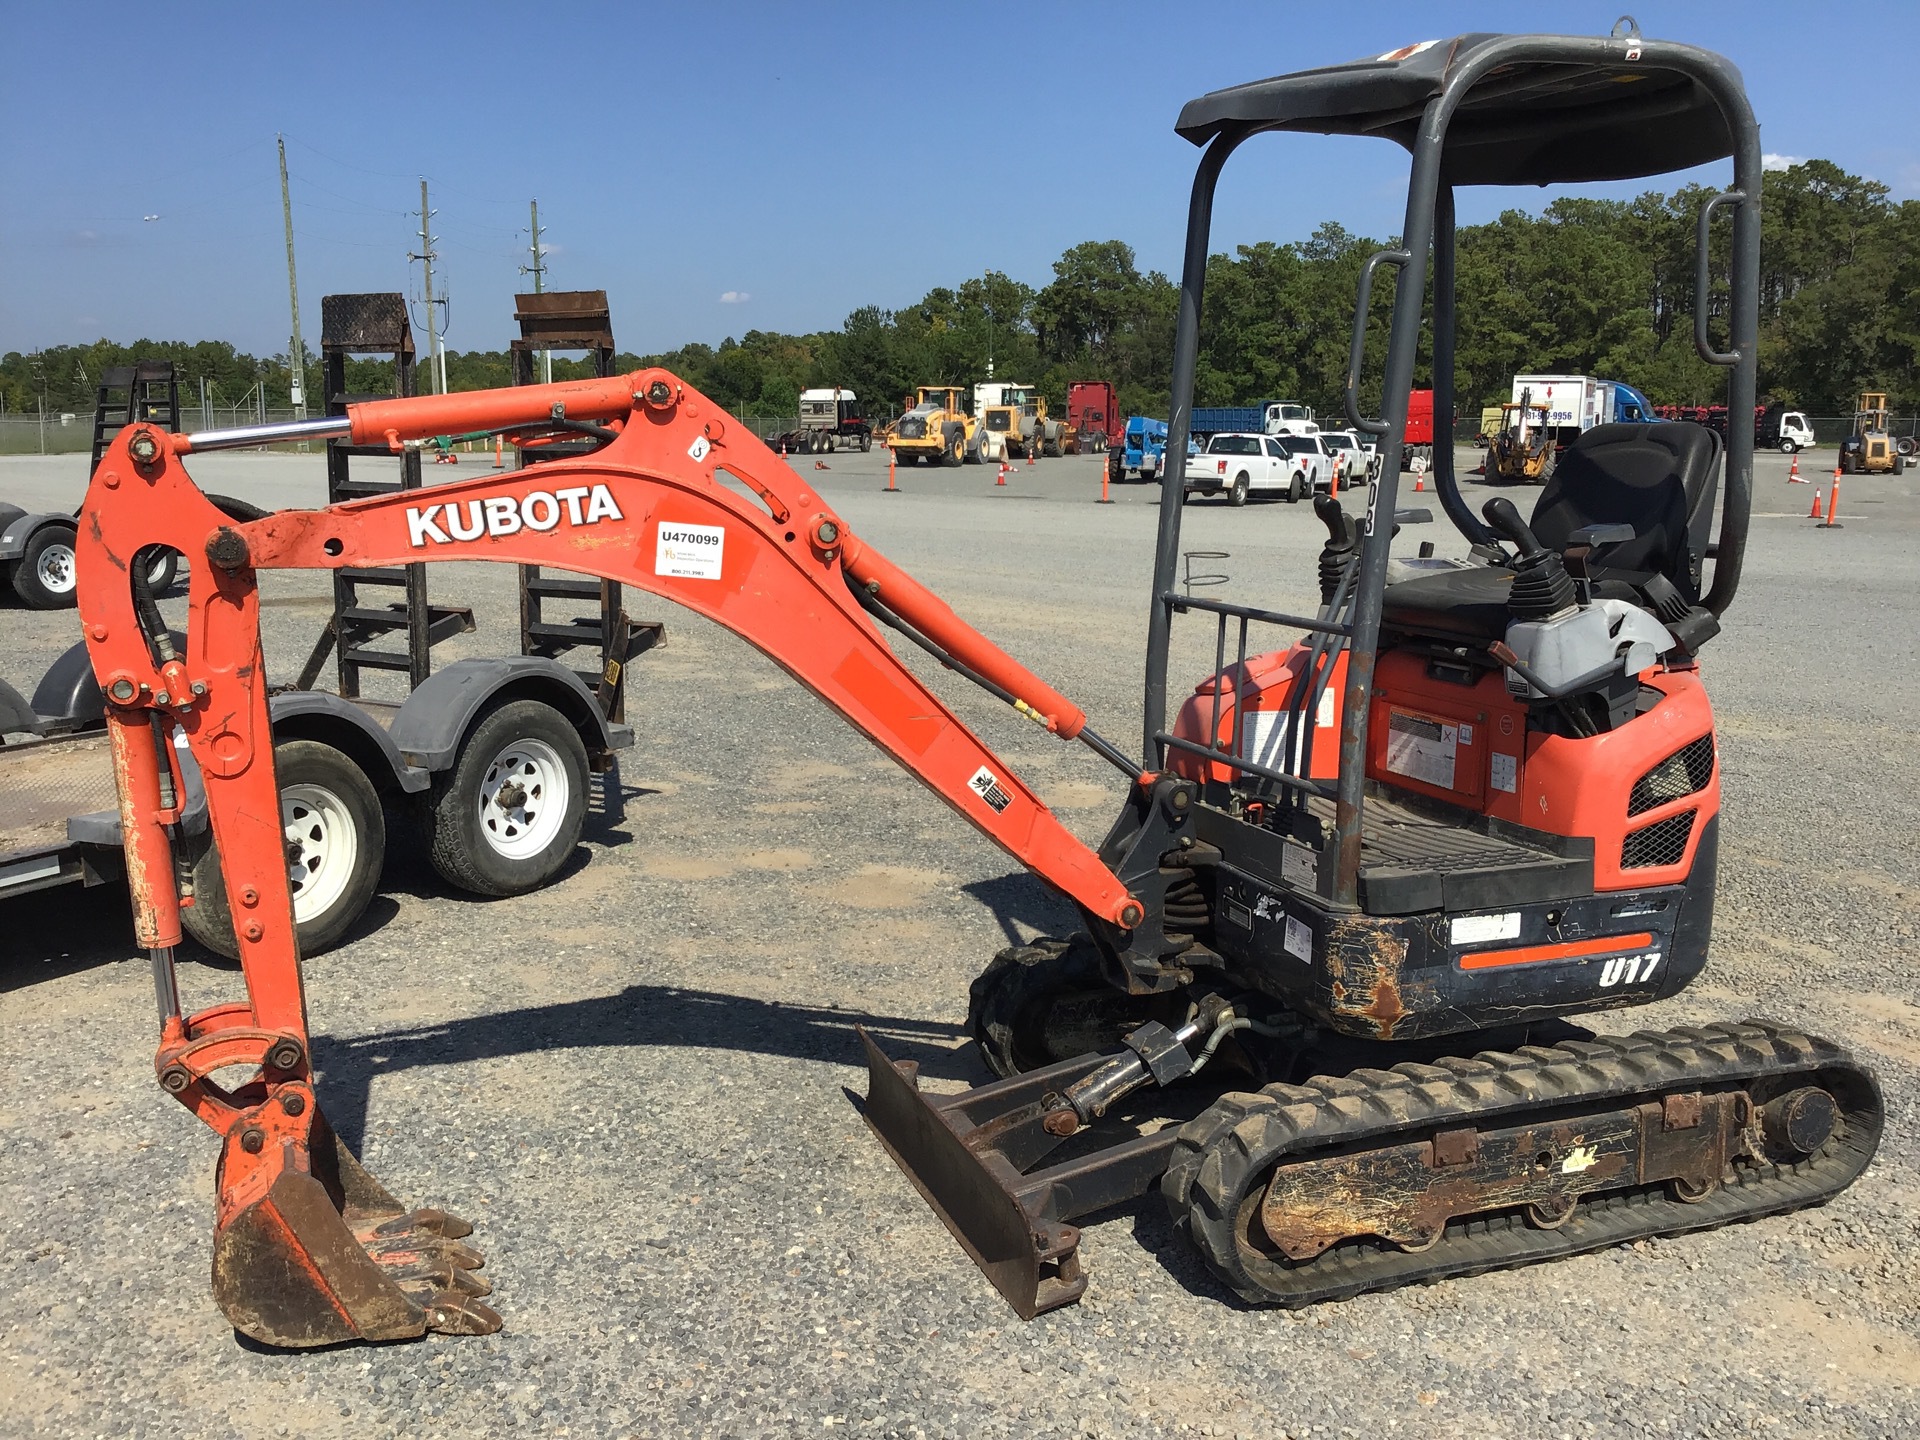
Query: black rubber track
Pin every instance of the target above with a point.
(1226, 1155)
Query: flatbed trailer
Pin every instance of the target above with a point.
(444, 753)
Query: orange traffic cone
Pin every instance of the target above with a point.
(1419, 481)
(1001, 478)
(821, 465)
(1793, 475)
(1030, 450)
(1814, 514)
(1833, 503)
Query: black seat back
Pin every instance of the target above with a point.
(1661, 478)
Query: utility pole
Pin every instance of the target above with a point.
(426, 258)
(297, 359)
(539, 272)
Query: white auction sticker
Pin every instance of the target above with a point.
(1299, 940)
(1479, 929)
(690, 552)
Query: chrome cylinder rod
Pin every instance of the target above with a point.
(326, 427)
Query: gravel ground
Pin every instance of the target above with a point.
(634, 1082)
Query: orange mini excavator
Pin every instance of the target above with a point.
(1353, 891)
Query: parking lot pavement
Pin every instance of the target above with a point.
(633, 1081)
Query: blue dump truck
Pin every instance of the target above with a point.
(1141, 448)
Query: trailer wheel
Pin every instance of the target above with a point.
(336, 842)
(506, 817)
(43, 576)
(163, 567)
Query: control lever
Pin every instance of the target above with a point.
(1343, 540)
(1506, 523)
(1341, 530)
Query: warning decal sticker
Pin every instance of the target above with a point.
(987, 787)
(1421, 749)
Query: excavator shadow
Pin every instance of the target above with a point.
(638, 1017)
(1022, 906)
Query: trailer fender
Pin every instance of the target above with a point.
(17, 526)
(317, 715)
(437, 717)
(16, 716)
(69, 694)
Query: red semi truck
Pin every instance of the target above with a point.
(1093, 413)
(1418, 439)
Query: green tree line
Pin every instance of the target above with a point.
(1599, 287)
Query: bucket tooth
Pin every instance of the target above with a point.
(324, 1255)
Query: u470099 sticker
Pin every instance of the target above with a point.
(690, 552)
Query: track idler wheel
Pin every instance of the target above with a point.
(312, 1250)
(1036, 1005)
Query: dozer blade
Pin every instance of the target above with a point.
(325, 1255)
(971, 1157)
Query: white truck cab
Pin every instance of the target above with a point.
(1283, 417)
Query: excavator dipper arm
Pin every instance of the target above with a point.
(309, 1248)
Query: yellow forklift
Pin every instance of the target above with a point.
(1871, 449)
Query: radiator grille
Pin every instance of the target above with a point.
(1662, 843)
(1683, 773)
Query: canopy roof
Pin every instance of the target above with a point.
(1594, 116)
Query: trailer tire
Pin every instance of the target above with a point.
(336, 836)
(506, 817)
(163, 567)
(44, 576)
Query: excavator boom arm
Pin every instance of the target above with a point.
(651, 510)
(309, 1249)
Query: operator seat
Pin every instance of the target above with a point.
(1661, 477)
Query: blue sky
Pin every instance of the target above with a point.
(725, 167)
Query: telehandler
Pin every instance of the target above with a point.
(1354, 888)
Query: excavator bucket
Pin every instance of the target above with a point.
(322, 1254)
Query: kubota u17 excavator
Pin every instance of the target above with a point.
(1477, 797)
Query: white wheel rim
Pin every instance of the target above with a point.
(323, 847)
(54, 569)
(523, 799)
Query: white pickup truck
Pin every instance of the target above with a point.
(1355, 459)
(1240, 466)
